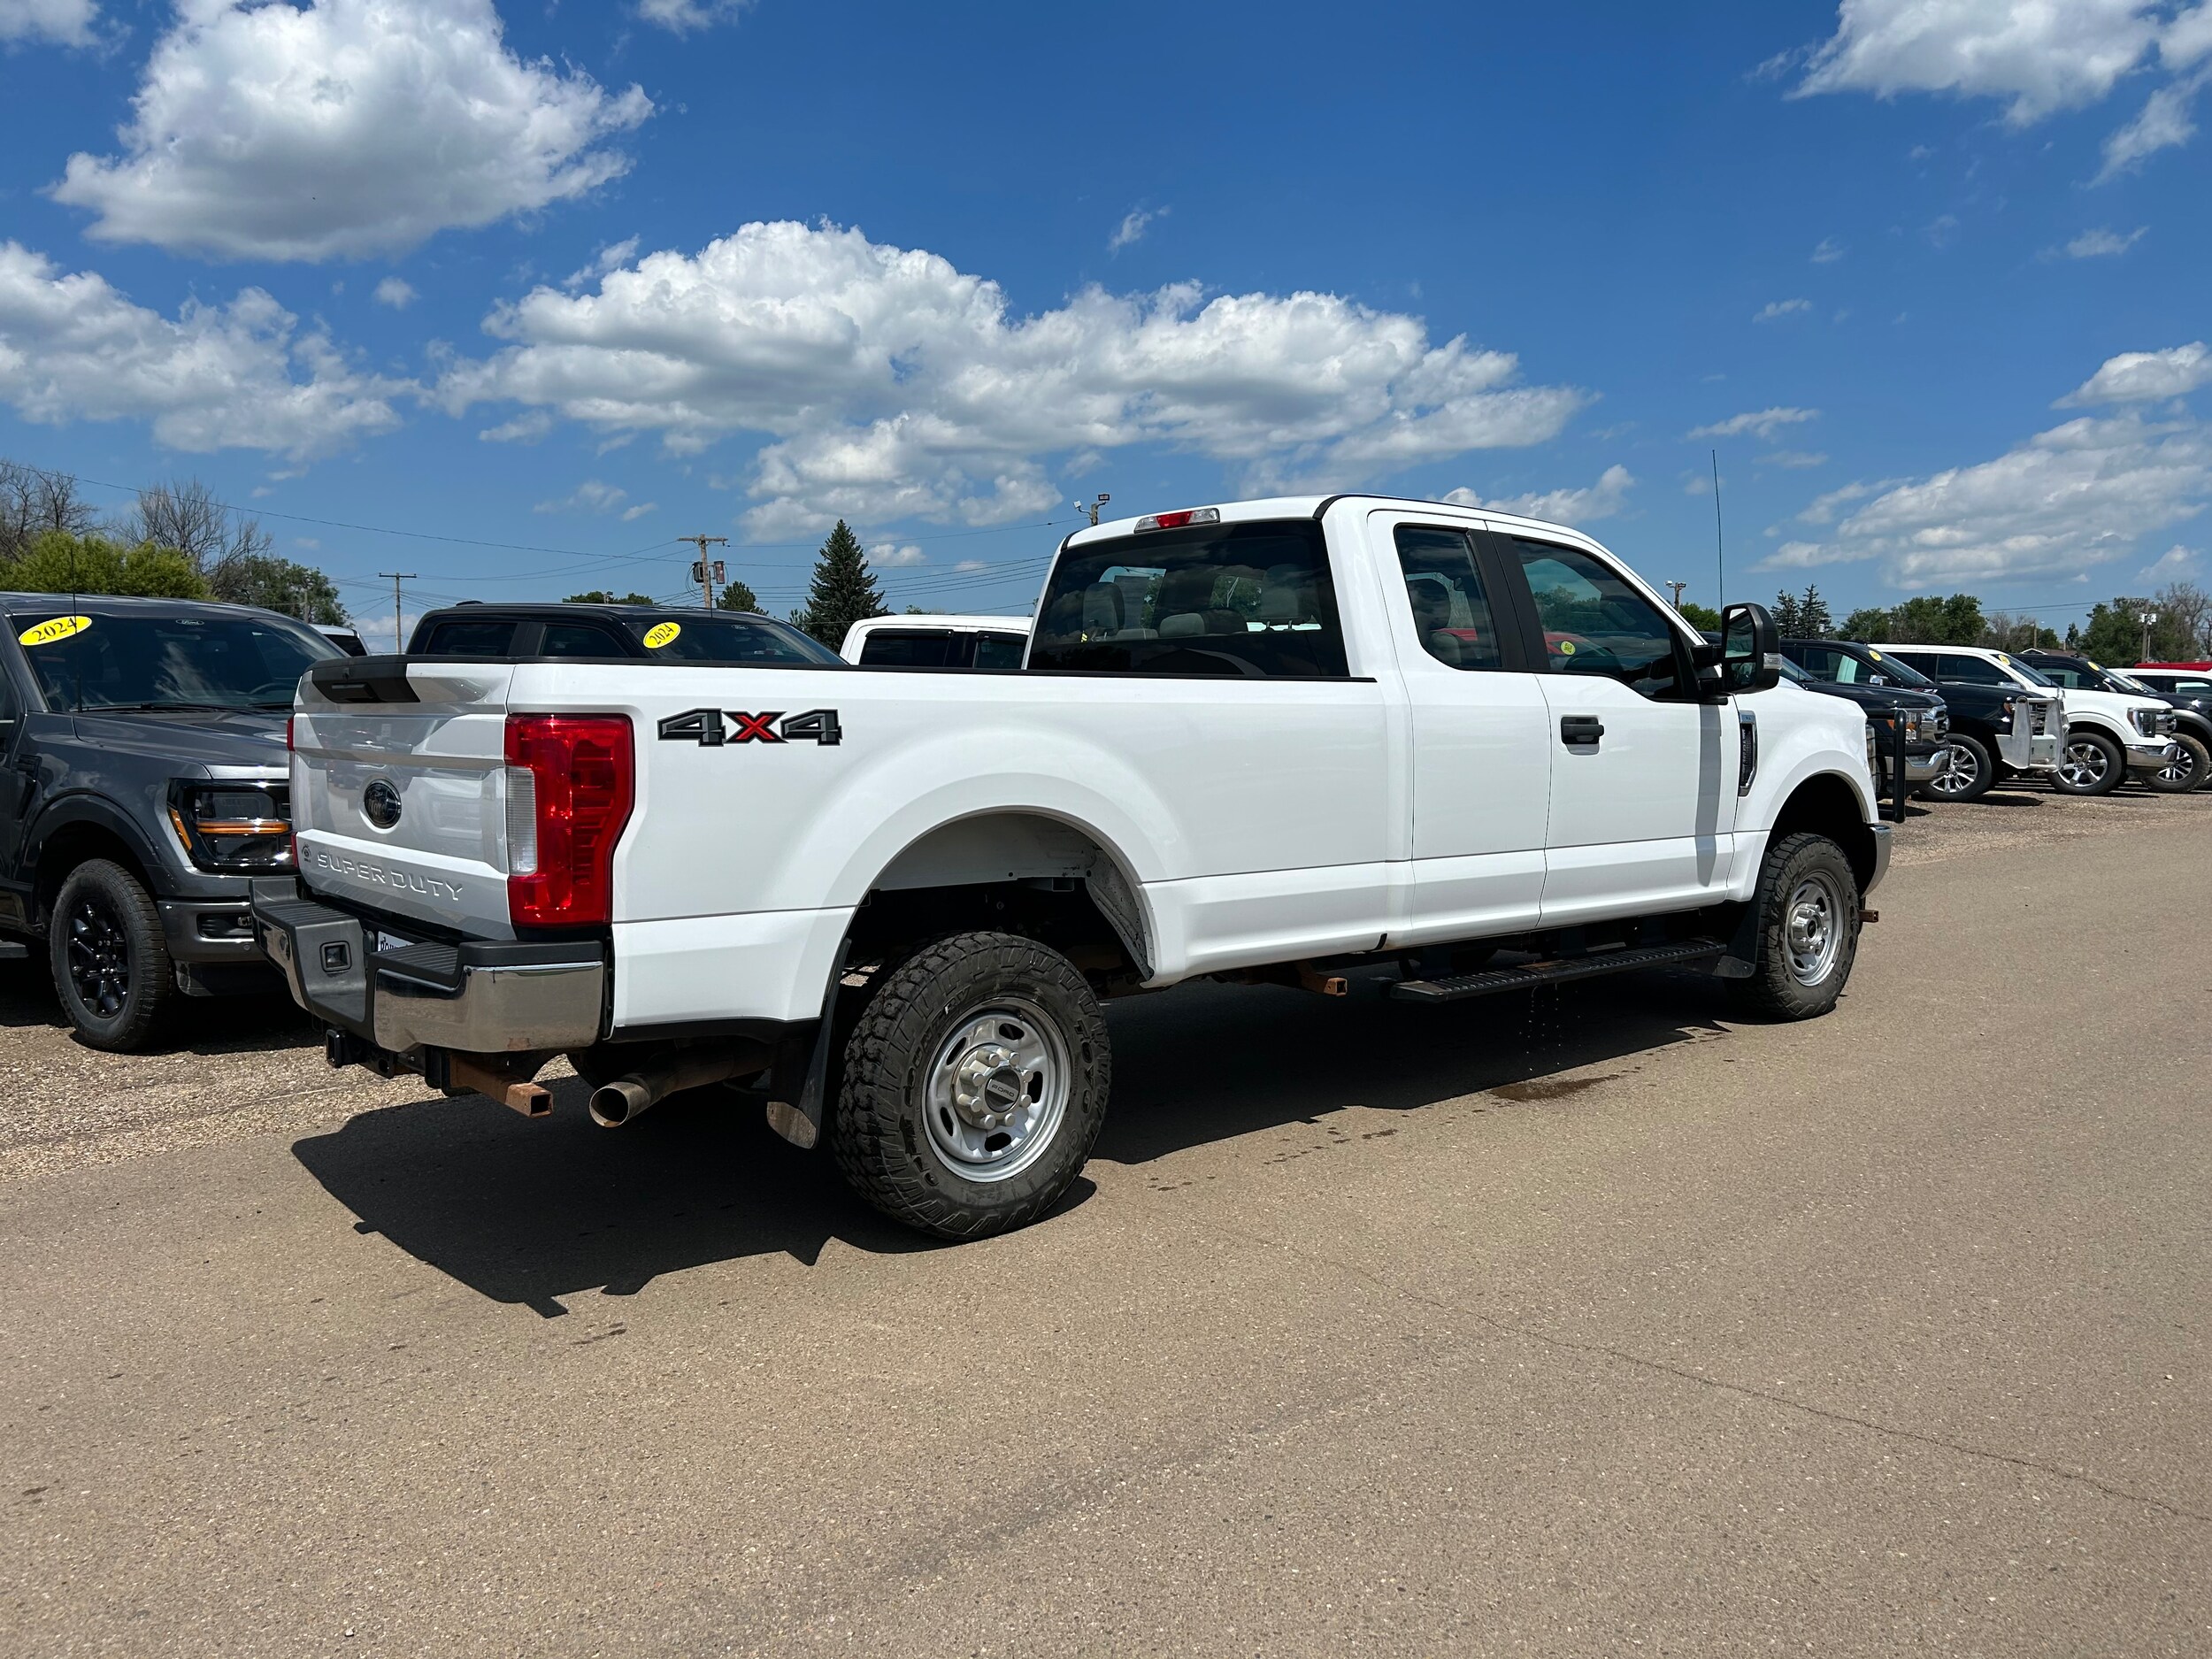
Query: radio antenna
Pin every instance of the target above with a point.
(1720, 555)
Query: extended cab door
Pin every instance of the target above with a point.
(1643, 775)
(1480, 760)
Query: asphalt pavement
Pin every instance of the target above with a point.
(1590, 1322)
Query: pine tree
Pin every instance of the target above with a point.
(1786, 616)
(844, 590)
(1813, 620)
(737, 596)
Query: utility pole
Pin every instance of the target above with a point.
(399, 627)
(705, 573)
(1720, 555)
(2148, 618)
(1092, 507)
(1678, 588)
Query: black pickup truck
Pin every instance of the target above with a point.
(1926, 722)
(146, 784)
(1979, 738)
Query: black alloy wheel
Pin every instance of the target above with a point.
(110, 959)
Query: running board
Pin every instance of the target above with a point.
(1490, 981)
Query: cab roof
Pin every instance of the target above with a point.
(1316, 506)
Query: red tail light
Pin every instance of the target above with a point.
(571, 780)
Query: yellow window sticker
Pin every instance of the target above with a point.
(660, 633)
(53, 628)
(1566, 648)
(2006, 661)
(1871, 652)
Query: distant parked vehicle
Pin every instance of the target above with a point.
(344, 638)
(2191, 766)
(2107, 734)
(985, 644)
(143, 741)
(583, 633)
(1927, 723)
(1996, 730)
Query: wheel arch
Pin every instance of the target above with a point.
(72, 831)
(1827, 804)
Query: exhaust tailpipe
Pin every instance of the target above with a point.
(616, 1103)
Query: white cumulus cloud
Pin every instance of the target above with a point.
(592, 495)
(892, 556)
(343, 128)
(686, 17)
(1600, 499)
(396, 292)
(1773, 308)
(2164, 122)
(2081, 494)
(2137, 377)
(57, 22)
(892, 384)
(214, 377)
(2042, 55)
(1760, 423)
(2103, 245)
(1133, 224)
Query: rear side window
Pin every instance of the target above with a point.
(581, 638)
(709, 636)
(1451, 612)
(1254, 600)
(2072, 679)
(1972, 671)
(1838, 668)
(1000, 653)
(1595, 623)
(468, 636)
(915, 649)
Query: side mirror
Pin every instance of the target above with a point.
(1750, 648)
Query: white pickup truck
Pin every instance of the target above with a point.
(1284, 741)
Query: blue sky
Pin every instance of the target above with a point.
(1928, 273)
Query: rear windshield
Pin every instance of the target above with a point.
(711, 638)
(1239, 599)
(145, 660)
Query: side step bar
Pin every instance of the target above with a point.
(1490, 981)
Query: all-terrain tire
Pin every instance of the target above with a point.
(110, 956)
(1809, 933)
(1968, 774)
(974, 1084)
(2089, 762)
(2188, 771)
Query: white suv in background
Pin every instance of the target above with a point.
(986, 644)
(2107, 735)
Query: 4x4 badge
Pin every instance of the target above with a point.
(705, 727)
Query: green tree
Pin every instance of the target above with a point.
(58, 562)
(1704, 618)
(843, 591)
(600, 596)
(1926, 619)
(277, 584)
(1786, 616)
(1868, 622)
(1813, 620)
(737, 596)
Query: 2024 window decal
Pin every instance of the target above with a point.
(707, 728)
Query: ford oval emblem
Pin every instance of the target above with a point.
(380, 803)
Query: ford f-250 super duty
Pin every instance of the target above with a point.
(1270, 740)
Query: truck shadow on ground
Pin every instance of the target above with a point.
(527, 1212)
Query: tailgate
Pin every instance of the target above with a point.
(399, 788)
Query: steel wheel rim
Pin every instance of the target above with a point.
(2083, 765)
(997, 1089)
(1957, 774)
(1812, 928)
(99, 957)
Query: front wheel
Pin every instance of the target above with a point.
(2189, 768)
(1966, 772)
(1808, 933)
(110, 960)
(974, 1086)
(2091, 763)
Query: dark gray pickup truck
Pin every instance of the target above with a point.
(143, 784)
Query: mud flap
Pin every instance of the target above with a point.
(798, 1083)
(1742, 958)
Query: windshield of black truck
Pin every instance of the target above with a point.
(146, 660)
(1236, 599)
(708, 638)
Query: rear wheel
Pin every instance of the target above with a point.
(1809, 933)
(2091, 763)
(2189, 768)
(111, 961)
(974, 1086)
(1965, 773)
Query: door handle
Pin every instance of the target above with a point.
(1580, 731)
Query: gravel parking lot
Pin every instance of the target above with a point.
(1586, 1323)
